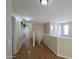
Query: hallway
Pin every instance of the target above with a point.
(51, 23)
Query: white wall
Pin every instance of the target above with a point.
(70, 29)
(46, 28)
(64, 47)
(51, 42)
(38, 29)
(19, 36)
(8, 29)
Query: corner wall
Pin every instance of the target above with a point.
(46, 28)
(8, 29)
(65, 47)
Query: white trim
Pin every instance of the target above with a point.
(50, 48)
(64, 56)
(18, 49)
(53, 50)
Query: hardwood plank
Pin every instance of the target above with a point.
(38, 52)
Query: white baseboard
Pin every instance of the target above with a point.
(53, 51)
(19, 49)
(63, 56)
(60, 55)
(50, 48)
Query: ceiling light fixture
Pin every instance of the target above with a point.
(44, 2)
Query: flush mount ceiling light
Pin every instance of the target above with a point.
(44, 2)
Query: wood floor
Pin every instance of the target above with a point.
(38, 52)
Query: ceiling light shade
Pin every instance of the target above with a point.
(44, 2)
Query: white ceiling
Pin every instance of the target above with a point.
(56, 10)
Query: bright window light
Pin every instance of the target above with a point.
(66, 29)
(44, 2)
(51, 27)
(56, 27)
